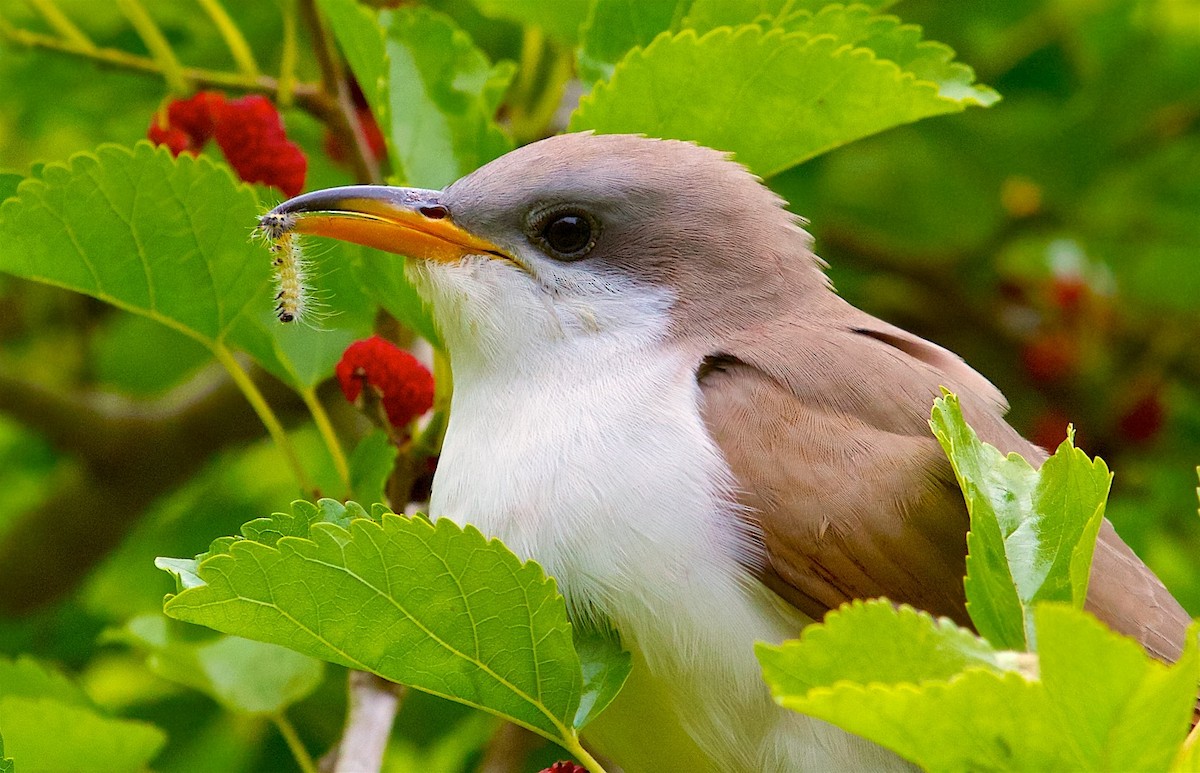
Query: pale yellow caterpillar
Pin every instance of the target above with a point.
(291, 296)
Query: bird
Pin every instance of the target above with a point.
(659, 396)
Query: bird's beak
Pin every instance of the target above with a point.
(406, 221)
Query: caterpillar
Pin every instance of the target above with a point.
(291, 296)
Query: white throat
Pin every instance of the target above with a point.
(586, 451)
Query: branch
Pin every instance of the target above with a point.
(308, 96)
(129, 453)
(343, 122)
(372, 709)
(508, 749)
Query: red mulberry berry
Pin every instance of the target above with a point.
(175, 139)
(251, 135)
(196, 116)
(404, 385)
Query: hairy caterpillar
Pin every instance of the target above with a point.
(291, 297)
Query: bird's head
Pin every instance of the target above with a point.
(582, 235)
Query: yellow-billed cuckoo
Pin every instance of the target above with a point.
(658, 396)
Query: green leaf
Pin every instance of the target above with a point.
(170, 239)
(774, 99)
(46, 736)
(1125, 710)
(1101, 702)
(706, 15)
(873, 642)
(370, 466)
(1032, 531)
(27, 678)
(141, 231)
(613, 27)
(927, 60)
(244, 676)
(381, 274)
(360, 36)
(6, 764)
(51, 725)
(559, 18)
(8, 184)
(437, 607)
(606, 666)
(441, 99)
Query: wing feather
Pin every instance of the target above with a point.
(851, 494)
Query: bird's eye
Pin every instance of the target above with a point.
(568, 235)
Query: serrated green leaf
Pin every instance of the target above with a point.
(170, 239)
(772, 98)
(613, 27)
(871, 642)
(437, 607)
(559, 18)
(858, 25)
(1125, 710)
(441, 91)
(6, 764)
(43, 735)
(1032, 531)
(606, 666)
(705, 15)
(143, 232)
(244, 676)
(1101, 702)
(371, 464)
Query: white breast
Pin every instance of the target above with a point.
(605, 475)
(588, 453)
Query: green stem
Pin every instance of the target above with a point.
(288, 731)
(264, 412)
(61, 24)
(233, 37)
(325, 428)
(308, 96)
(586, 759)
(287, 56)
(156, 43)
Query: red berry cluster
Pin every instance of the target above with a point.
(248, 131)
(403, 385)
(564, 767)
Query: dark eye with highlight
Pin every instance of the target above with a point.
(567, 234)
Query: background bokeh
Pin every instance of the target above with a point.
(1052, 240)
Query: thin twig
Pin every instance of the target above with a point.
(266, 414)
(295, 745)
(308, 96)
(156, 43)
(287, 55)
(344, 124)
(325, 428)
(61, 24)
(235, 41)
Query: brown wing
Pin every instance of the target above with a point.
(853, 496)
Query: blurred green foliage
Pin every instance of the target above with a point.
(1052, 240)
